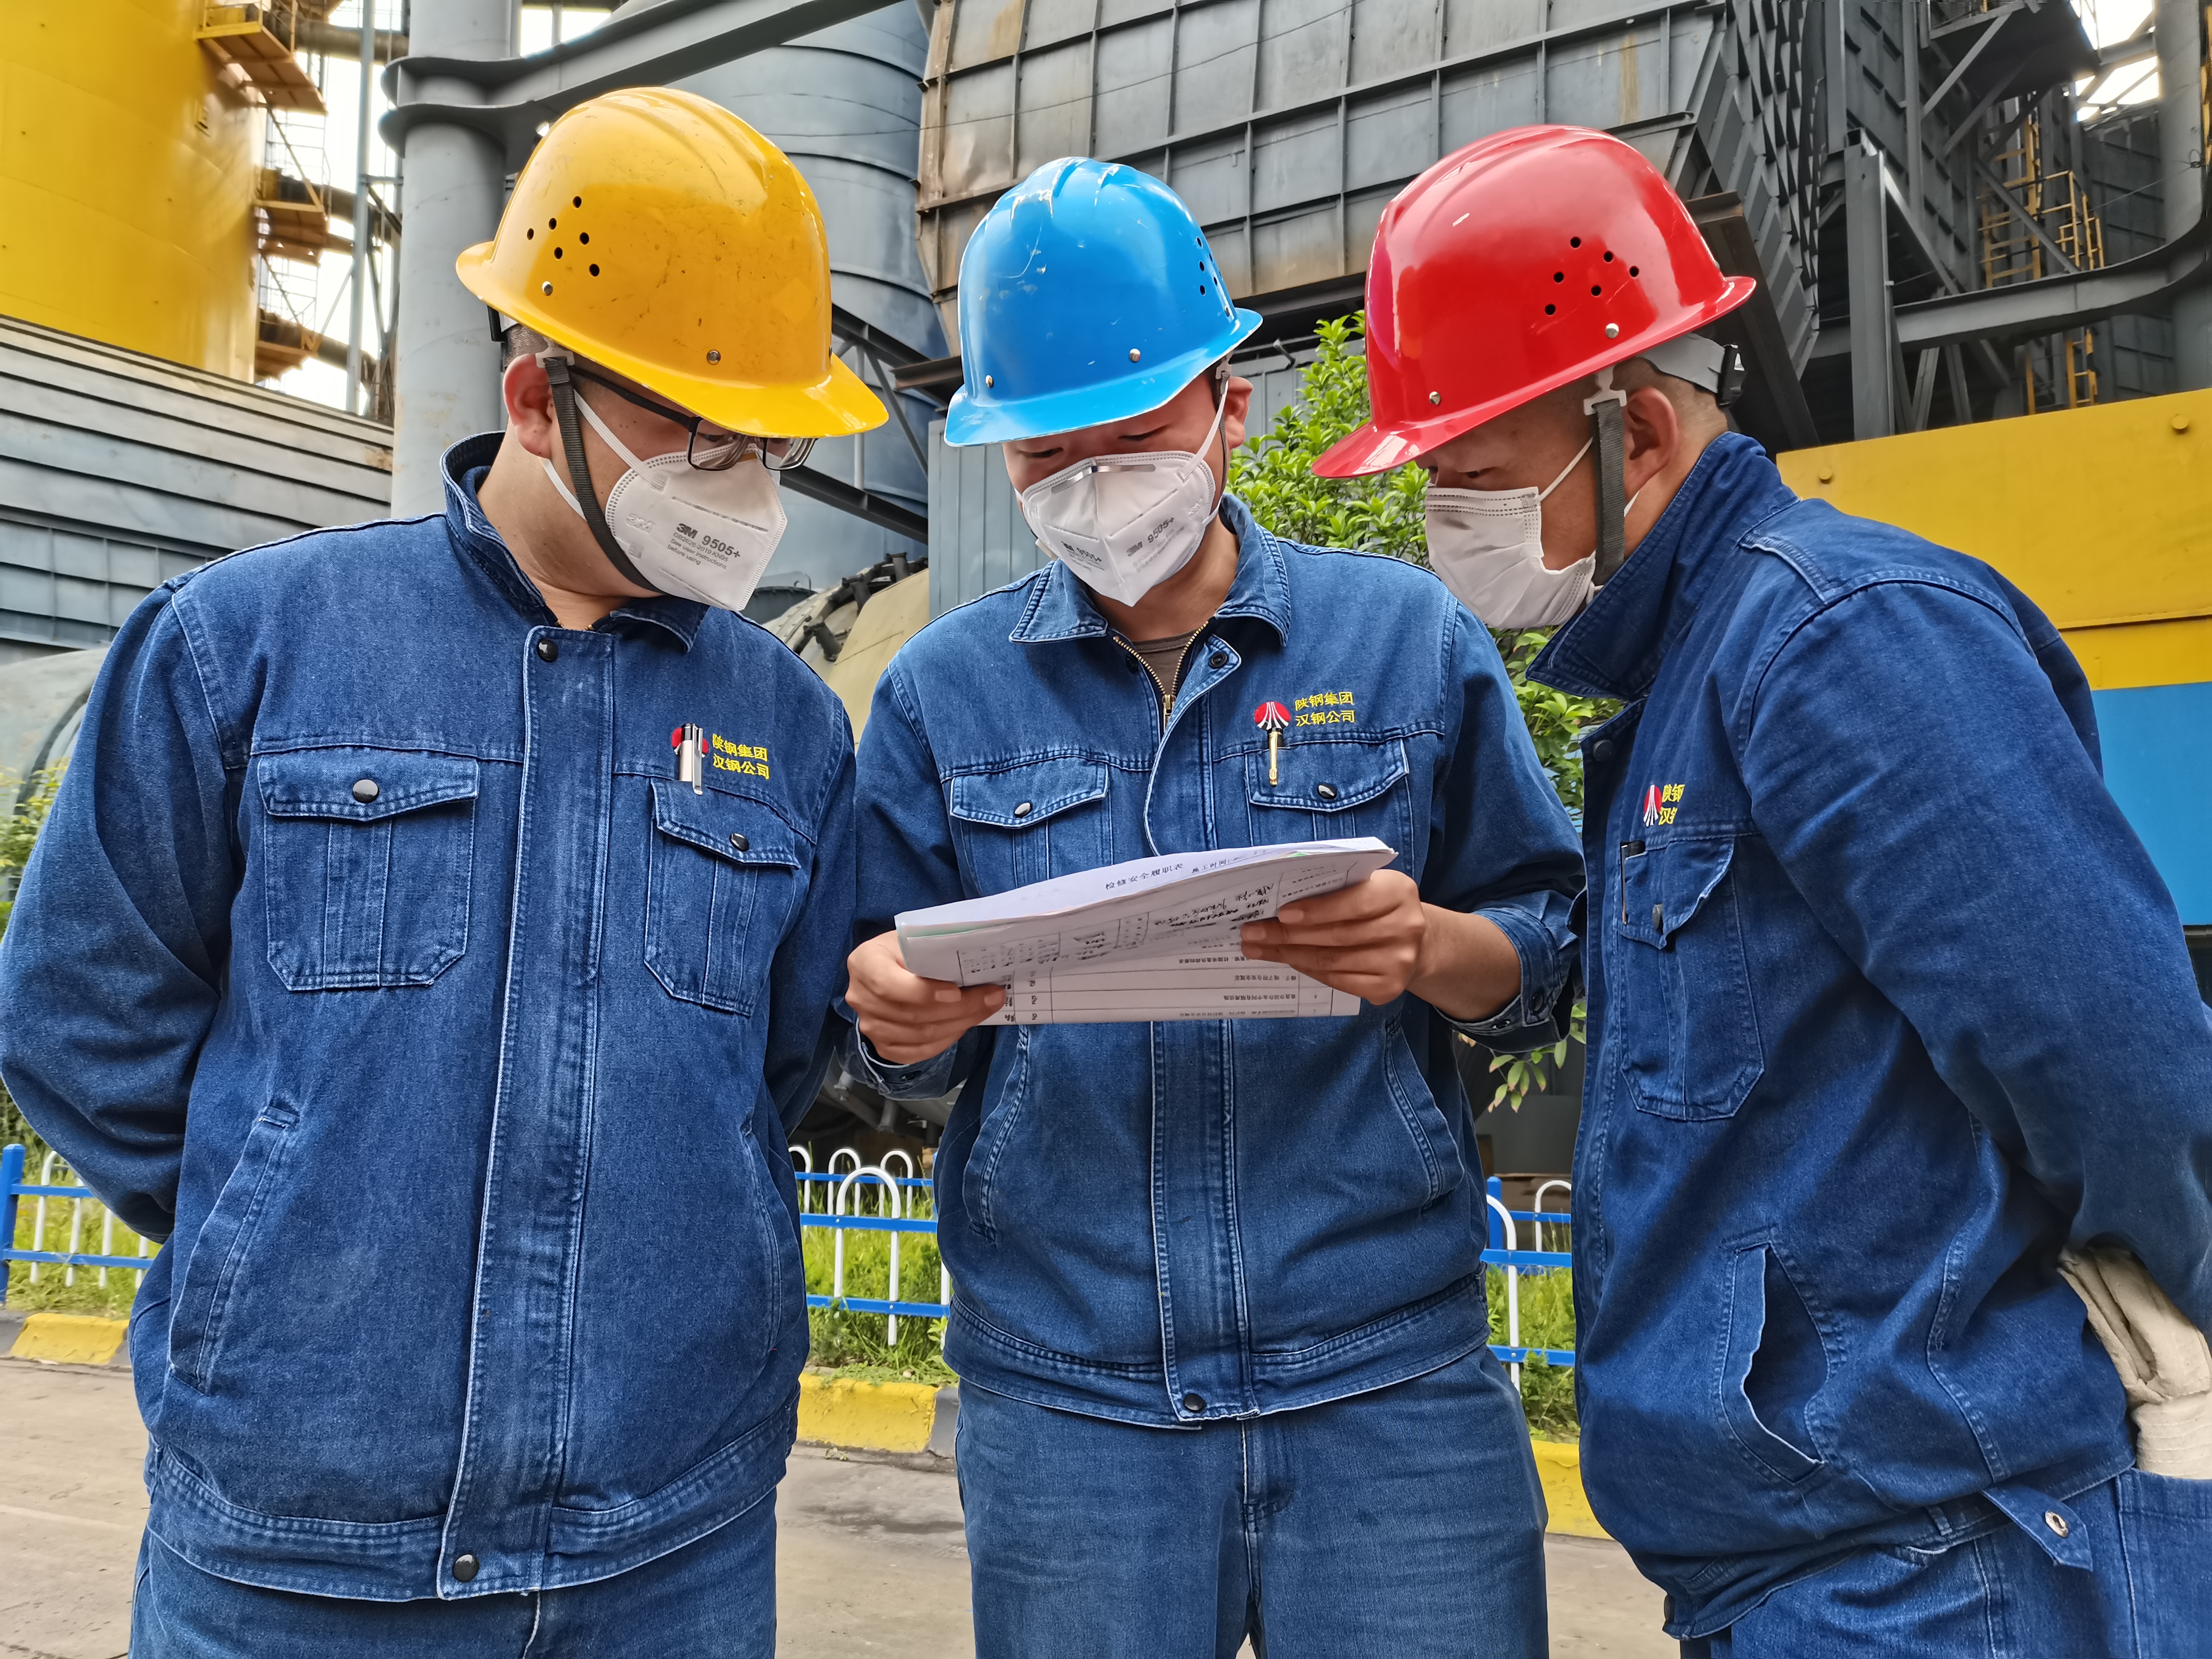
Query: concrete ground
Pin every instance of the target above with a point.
(870, 1556)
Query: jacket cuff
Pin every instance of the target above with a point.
(1531, 1020)
(924, 1080)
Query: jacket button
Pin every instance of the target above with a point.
(1024, 809)
(1601, 750)
(1194, 1402)
(365, 790)
(465, 1567)
(2056, 1522)
(547, 649)
(1326, 790)
(739, 841)
(1218, 659)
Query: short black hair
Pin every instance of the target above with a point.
(521, 340)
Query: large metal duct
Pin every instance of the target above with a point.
(845, 103)
(1287, 125)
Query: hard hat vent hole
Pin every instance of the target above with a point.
(579, 201)
(1558, 276)
(557, 252)
(528, 232)
(1631, 270)
(1608, 258)
(1574, 241)
(1551, 311)
(583, 236)
(552, 224)
(1596, 289)
(595, 271)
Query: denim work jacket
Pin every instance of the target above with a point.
(1178, 1222)
(1869, 950)
(374, 956)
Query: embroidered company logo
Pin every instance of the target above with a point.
(1324, 708)
(1659, 803)
(749, 758)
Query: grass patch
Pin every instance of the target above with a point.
(1547, 1320)
(852, 1344)
(52, 1290)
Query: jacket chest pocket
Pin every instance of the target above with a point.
(366, 862)
(723, 883)
(1024, 823)
(1687, 1034)
(1332, 791)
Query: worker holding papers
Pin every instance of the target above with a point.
(1210, 1198)
(1153, 938)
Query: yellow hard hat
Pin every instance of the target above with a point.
(656, 234)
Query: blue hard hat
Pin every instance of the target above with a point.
(1088, 294)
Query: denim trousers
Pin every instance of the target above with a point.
(2145, 1591)
(1406, 1521)
(714, 1598)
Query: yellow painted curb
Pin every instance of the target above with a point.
(69, 1339)
(1560, 1468)
(896, 1417)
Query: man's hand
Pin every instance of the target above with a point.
(1378, 940)
(905, 1017)
(1366, 939)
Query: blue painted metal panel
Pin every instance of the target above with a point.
(2158, 763)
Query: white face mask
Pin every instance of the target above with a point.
(1124, 524)
(691, 533)
(1488, 546)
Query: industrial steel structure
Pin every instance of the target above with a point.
(1949, 224)
(118, 472)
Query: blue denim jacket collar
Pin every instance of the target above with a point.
(462, 468)
(1061, 607)
(1613, 649)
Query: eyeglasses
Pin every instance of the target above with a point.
(710, 448)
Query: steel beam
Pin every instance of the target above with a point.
(1872, 327)
(2066, 266)
(2179, 28)
(508, 99)
(872, 505)
(1967, 62)
(2150, 283)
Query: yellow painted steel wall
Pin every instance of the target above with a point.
(126, 181)
(2103, 516)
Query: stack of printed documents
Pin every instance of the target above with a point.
(1153, 938)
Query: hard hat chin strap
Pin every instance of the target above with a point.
(1604, 408)
(563, 385)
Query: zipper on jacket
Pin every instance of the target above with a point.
(1167, 696)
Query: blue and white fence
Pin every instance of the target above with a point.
(849, 1196)
(833, 1199)
(57, 1187)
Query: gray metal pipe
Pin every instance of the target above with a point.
(453, 181)
(332, 41)
(361, 248)
(2181, 176)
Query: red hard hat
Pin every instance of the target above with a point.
(1522, 262)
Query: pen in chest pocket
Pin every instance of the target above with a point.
(690, 743)
(1273, 718)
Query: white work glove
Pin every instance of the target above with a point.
(2163, 1360)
